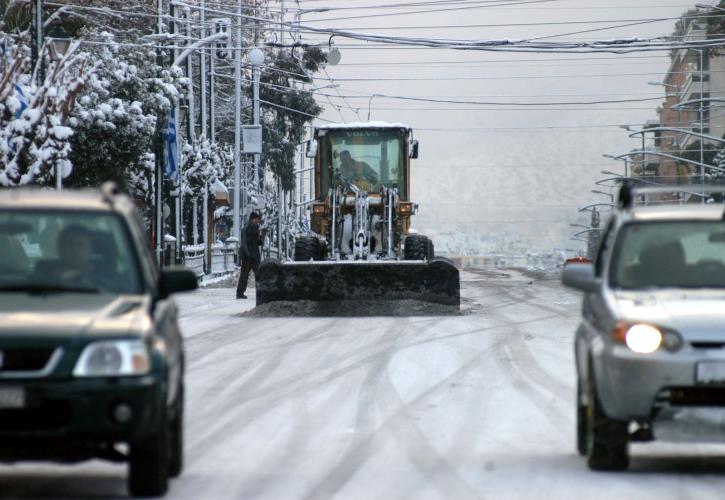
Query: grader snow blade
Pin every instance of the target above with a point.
(433, 282)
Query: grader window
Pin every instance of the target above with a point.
(367, 158)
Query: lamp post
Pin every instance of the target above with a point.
(626, 162)
(644, 148)
(59, 43)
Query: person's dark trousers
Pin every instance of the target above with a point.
(247, 266)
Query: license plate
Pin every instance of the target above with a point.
(12, 398)
(711, 372)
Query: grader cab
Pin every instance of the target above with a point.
(362, 246)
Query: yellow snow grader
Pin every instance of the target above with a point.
(361, 247)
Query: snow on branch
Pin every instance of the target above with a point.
(33, 136)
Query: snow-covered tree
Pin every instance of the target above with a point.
(34, 136)
(203, 163)
(289, 108)
(118, 117)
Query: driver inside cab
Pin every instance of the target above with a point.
(359, 173)
(74, 250)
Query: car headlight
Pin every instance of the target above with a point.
(643, 338)
(113, 358)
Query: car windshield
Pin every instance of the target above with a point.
(367, 158)
(65, 251)
(669, 255)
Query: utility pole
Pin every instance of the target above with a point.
(202, 70)
(702, 121)
(37, 46)
(191, 115)
(159, 180)
(238, 121)
(177, 201)
(281, 22)
(212, 98)
(255, 79)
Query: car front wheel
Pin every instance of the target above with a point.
(607, 439)
(581, 421)
(176, 438)
(148, 468)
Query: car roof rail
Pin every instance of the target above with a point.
(630, 190)
(109, 190)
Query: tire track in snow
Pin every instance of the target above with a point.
(220, 406)
(399, 423)
(359, 449)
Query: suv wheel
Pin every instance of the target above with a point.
(581, 421)
(176, 437)
(607, 439)
(148, 467)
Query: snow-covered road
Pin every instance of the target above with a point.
(472, 406)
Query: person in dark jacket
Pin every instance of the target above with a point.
(250, 251)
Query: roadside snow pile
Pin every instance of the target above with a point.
(228, 281)
(349, 308)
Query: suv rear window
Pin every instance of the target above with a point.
(88, 250)
(678, 254)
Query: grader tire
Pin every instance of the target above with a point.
(418, 247)
(307, 248)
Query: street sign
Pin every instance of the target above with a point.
(252, 139)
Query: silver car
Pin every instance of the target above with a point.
(650, 350)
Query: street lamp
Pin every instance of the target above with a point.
(705, 6)
(661, 84)
(593, 206)
(611, 196)
(626, 163)
(59, 42)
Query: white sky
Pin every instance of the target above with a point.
(493, 171)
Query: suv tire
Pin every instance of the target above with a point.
(176, 437)
(307, 248)
(148, 466)
(581, 421)
(607, 439)
(418, 247)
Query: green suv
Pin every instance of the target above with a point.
(91, 357)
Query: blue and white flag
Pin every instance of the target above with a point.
(20, 94)
(171, 152)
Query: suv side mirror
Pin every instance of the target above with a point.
(176, 280)
(580, 277)
(413, 150)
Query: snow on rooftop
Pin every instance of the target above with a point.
(217, 187)
(357, 125)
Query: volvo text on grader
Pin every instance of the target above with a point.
(362, 247)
